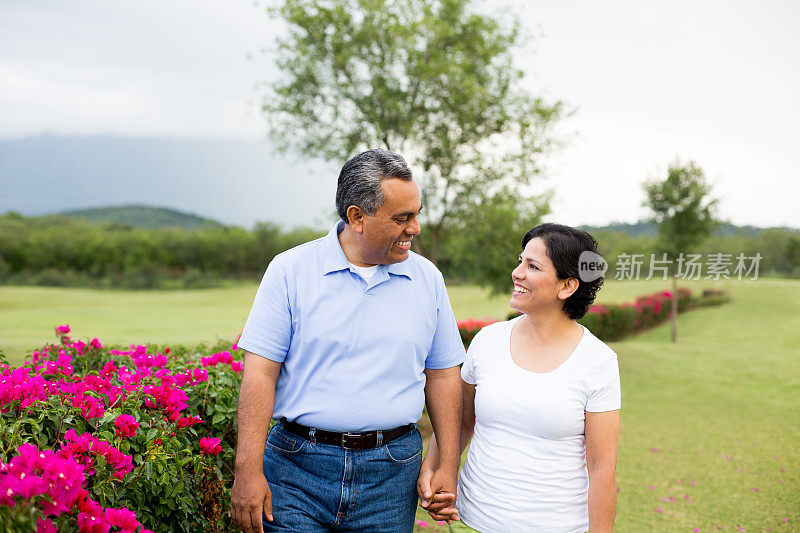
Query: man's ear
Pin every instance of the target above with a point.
(568, 288)
(355, 216)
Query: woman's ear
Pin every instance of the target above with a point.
(355, 217)
(568, 288)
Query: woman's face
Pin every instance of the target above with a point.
(536, 285)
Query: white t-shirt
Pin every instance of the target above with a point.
(526, 465)
(364, 272)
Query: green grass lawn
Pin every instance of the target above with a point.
(706, 420)
(29, 314)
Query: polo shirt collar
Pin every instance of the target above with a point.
(333, 258)
(401, 269)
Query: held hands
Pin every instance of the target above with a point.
(437, 493)
(250, 497)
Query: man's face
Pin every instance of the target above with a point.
(387, 235)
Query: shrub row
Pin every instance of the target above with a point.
(61, 251)
(612, 322)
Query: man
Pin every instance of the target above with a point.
(348, 337)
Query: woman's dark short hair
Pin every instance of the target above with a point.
(564, 247)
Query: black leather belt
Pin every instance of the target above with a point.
(348, 441)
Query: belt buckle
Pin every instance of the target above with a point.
(346, 436)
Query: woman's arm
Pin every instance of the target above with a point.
(431, 462)
(467, 427)
(602, 443)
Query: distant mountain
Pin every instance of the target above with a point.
(235, 182)
(648, 229)
(142, 216)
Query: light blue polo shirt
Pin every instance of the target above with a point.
(353, 351)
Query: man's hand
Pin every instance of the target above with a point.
(250, 494)
(250, 497)
(437, 493)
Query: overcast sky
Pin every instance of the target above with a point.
(716, 82)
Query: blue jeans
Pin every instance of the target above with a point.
(320, 487)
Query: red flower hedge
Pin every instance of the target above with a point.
(611, 322)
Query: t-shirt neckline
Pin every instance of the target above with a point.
(365, 272)
(531, 372)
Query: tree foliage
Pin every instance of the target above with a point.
(485, 243)
(682, 207)
(685, 212)
(431, 79)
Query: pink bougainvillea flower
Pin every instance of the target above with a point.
(122, 518)
(184, 421)
(126, 426)
(237, 366)
(92, 524)
(199, 375)
(109, 369)
(62, 330)
(33, 472)
(45, 526)
(210, 445)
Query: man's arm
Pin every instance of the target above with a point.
(602, 443)
(441, 506)
(250, 494)
(443, 398)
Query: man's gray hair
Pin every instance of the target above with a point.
(360, 180)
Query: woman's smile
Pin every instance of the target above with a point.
(520, 290)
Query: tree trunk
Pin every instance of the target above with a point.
(674, 304)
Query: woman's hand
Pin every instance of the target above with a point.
(440, 505)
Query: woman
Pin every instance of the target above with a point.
(542, 397)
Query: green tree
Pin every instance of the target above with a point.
(793, 254)
(487, 239)
(685, 212)
(430, 79)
